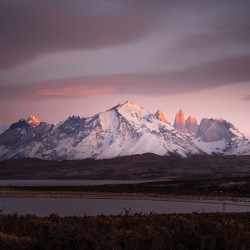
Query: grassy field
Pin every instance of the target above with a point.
(126, 231)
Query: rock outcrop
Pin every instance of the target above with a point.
(211, 130)
(161, 117)
(192, 125)
(180, 121)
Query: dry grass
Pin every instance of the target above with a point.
(138, 231)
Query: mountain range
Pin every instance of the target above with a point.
(126, 129)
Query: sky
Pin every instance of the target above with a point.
(62, 57)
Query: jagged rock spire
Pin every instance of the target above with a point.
(160, 116)
(192, 125)
(180, 121)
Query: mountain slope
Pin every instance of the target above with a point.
(3, 128)
(126, 129)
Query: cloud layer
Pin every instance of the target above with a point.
(208, 75)
(29, 29)
(246, 98)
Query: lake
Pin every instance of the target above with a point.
(80, 207)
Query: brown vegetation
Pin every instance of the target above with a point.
(138, 231)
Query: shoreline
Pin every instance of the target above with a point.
(241, 201)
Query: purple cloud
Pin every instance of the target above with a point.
(223, 32)
(246, 98)
(29, 29)
(208, 75)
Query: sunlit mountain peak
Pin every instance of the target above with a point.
(33, 121)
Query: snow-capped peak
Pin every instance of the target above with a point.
(132, 112)
(130, 104)
(126, 129)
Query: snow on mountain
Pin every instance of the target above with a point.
(125, 129)
(244, 149)
(215, 147)
(3, 128)
(217, 136)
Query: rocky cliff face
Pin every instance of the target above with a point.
(161, 117)
(180, 122)
(211, 130)
(192, 125)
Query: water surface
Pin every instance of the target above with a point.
(80, 207)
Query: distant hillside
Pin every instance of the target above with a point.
(136, 167)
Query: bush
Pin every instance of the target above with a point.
(127, 231)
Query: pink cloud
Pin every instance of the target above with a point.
(201, 77)
(73, 91)
(246, 98)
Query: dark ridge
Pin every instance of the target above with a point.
(136, 167)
